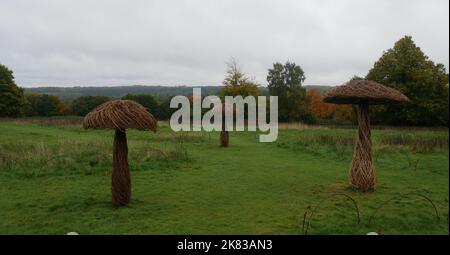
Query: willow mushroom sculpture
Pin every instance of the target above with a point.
(363, 93)
(224, 137)
(120, 115)
(224, 133)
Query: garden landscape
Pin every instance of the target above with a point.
(368, 153)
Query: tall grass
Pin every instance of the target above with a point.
(49, 121)
(82, 157)
(421, 144)
(38, 159)
(341, 143)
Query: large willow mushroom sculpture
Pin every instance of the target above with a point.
(363, 93)
(120, 115)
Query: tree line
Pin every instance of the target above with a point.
(68, 94)
(46, 105)
(404, 67)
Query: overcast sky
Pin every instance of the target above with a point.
(98, 43)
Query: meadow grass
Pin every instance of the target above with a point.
(55, 178)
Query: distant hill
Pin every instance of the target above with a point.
(70, 93)
(320, 88)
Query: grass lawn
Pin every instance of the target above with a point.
(56, 179)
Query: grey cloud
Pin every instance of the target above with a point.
(187, 42)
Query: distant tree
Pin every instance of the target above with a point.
(285, 81)
(343, 112)
(160, 93)
(12, 99)
(406, 68)
(44, 105)
(147, 100)
(164, 111)
(83, 105)
(356, 77)
(236, 82)
(318, 108)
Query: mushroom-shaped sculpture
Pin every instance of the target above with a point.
(120, 115)
(224, 135)
(363, 93)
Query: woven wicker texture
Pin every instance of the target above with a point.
(120, 178)
(120, 114)
(362, 174)
(359, 91)
(224, 138)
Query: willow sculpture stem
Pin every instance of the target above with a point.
(121, 182)
(224, 136)
(362, 171)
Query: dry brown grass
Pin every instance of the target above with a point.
(47, 121)
(299, 126)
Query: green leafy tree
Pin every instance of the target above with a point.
(12, 99)
(356, 77)
(236, 82)
(44, 105)
(164, 110)
(146, 100)
(83, 105)
(285, 81)
(406, 68)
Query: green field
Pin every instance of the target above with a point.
(55, 179)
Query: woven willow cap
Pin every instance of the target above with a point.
(363, 91)
(120, 114)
